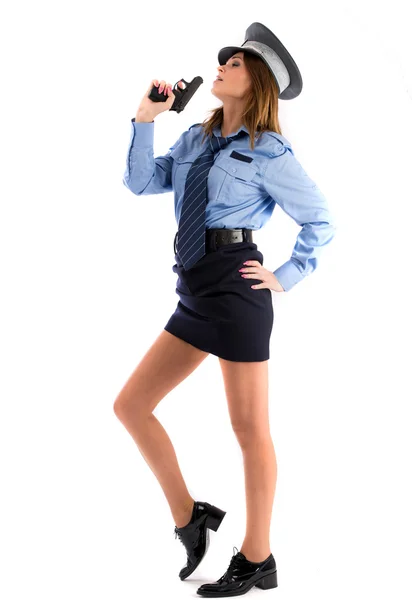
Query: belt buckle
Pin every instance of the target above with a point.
(228, 236)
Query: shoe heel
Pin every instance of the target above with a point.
(270, 581)
(214, 517)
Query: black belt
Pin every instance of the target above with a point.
(220, 237)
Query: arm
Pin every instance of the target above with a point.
(145, 174)
(297, 194)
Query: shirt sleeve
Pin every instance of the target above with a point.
(145, 174)
(297, 194)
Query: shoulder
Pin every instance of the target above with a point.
(187, 142)
(194, 134)
(286, 163)
(195, 125)
(275, 144)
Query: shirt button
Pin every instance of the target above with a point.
(180, 158)
(233, 170)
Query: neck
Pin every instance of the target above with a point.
(232, 118)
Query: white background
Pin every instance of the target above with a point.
(87, 286)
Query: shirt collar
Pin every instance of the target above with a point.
(218, 131)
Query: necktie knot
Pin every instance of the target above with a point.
(218, 142)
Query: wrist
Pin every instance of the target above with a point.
(142, 117)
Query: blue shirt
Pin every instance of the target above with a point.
(243, 188)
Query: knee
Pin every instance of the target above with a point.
(247, 432)
(125, 407)
(120, 407)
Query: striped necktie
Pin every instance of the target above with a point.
(192, 222)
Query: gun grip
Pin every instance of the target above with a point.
(182, 95)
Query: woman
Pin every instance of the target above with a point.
(224, 188)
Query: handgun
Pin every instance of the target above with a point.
(182, 95)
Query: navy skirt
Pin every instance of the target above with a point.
(218, 311)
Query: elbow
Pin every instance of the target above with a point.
(131, 186)
(332, 228)
(328, 228)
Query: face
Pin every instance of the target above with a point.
(235, 78)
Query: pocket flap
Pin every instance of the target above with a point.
(181, 156)
(236, 168)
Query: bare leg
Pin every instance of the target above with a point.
(246, 385)
(260, 482)
(168, 362)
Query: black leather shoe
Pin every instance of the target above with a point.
(195, 535)
(241, 576)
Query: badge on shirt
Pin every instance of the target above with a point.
(242, 157)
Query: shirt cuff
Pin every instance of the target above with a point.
(142, 135)
(288, 275)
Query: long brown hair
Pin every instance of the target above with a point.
(260, 103)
